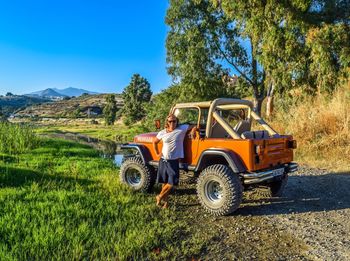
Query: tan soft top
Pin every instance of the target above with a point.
(225, 103)
(217, 102)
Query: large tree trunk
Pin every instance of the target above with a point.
(258, 104)
(269, 104)
(258, 88)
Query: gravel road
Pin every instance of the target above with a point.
(310, 222)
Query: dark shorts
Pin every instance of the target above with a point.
(168, 172)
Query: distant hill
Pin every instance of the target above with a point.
(49, 93)
(55, 93)
(9, 104)
(70, 91)
(82, 106)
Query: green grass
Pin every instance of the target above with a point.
(61, 200)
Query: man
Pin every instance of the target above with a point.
(168, 170)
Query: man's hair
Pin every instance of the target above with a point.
(166, 120)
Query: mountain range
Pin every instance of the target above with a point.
(60, 93)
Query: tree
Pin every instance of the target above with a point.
(9, 94)
(216, 38)
(135, 96)
(2, 115)
(265, 42)
(110, 109)
(302, 42)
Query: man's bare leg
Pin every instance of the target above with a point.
(166, 195)
(160, 196)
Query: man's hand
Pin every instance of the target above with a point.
(193, 132)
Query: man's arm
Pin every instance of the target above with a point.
(155, 147)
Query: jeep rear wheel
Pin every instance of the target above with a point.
(137, 175)
(219, 190)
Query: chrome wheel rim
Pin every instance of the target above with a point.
(133, 177)
(214, 191)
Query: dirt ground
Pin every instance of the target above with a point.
(310, 222)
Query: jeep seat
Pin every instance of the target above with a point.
(218, 131)
(255, 135)
(242, 126)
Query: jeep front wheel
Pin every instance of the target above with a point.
(137, 175)
(219, 190)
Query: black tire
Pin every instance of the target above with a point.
(219, 190)
(136, 174)
(275, 189)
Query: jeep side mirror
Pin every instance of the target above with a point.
(157, 124)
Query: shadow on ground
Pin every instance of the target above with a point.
(304, 194)
(17, 177)
(324, 192)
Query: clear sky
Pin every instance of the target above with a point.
(92, 44)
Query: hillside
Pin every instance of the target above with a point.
(10, 104)
(71, 108)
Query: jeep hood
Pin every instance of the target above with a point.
(145, 137)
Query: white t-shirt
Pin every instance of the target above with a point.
(173, 142)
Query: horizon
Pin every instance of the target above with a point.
(62, 89)
(85, 45)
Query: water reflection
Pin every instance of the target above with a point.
(118, 158)
(109, 149)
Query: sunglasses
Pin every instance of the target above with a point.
(172, 121)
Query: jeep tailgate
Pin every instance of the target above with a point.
(272, 152)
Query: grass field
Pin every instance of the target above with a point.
(61, 200)
(118, 132)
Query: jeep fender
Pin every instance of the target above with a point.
(232, 159)
(142, 151)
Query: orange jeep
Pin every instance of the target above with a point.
(235, 149)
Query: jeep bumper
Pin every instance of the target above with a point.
(258, 177)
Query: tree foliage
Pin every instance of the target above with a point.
(303, 42)
(196, 31)
(329, 54)
(136, 95)
(268, 43)
(160, 104)
(110, 109)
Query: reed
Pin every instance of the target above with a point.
(16, 138)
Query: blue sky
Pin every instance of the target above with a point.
(94, 45)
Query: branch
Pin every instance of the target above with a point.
(234, 65)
